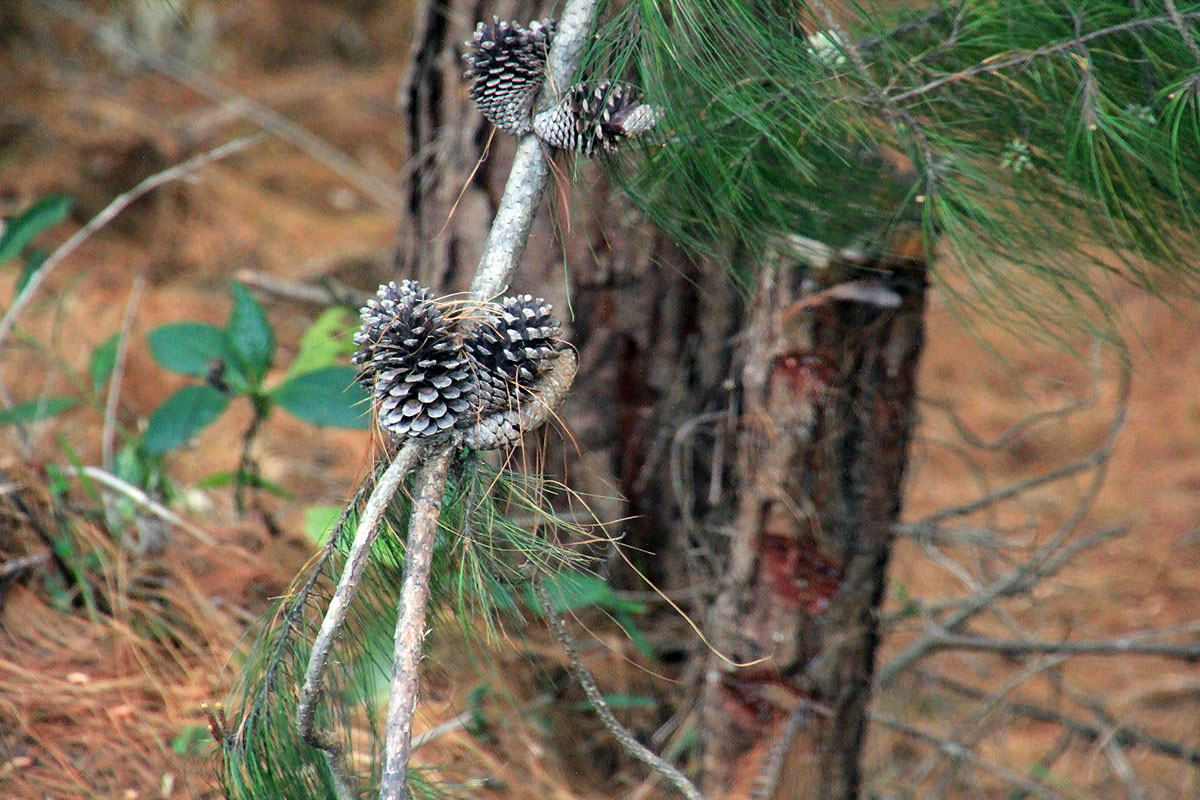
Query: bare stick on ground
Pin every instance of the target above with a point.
(371, 185)
(142, 499)
(119, 204)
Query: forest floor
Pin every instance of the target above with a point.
(96, 705)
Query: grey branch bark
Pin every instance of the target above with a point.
(1126, 646)
(410, 624)
(339, 605)
(502, 252)
(530, 170)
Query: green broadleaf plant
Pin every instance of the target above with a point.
(25, 227)
(194, 349)
(35, 410)
(103, 362)
(325, 396)
(326, 342)
(34, 260)
(234, 362)
(182, 417)
(251, 341)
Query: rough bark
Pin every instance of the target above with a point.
(803, 466)
(827, 393)
(653, 330)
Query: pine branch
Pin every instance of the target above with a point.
(410, 624)
(588, 682)
(530, 170)
(1033, 136)
(502, 252)
(993, 66)
(339, 606)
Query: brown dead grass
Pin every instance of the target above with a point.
(89, 708)
(91, 703)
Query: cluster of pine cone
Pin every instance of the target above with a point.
(481, 380)
(507, 66)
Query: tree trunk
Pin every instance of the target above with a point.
(652, 328)
(828, 392)
(809, 486)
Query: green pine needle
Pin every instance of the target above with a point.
(1051, 148)
(482, 561)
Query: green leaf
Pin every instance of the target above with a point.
(33, 262)
(130, 466)
(182, 416)
(319, 520)
(21, 230)
(250, 336)
(103, 361)
(192, 348)
(85, 480)
(625, 621)
(219, 480)
(191, 740)
(188, 348)
(60, 485)
(328, 396)
(36, 409)
(618, 702)
(570, 591)
(325, 342)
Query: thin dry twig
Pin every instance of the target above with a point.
(119, 204)
(1046, 561)
(142, 499)
(324, 294)
(588, 682)
(1127, 735)
(371, 185)
(113, 399)
(957, 752)
(15, 569)
(1120, 646)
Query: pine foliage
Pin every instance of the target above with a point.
(482, 562)
(1025, 136)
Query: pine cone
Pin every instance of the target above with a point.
(507, 65)
(413, 364)
(485, 388)
(595, 117)
(511, 351)
(506, 427)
